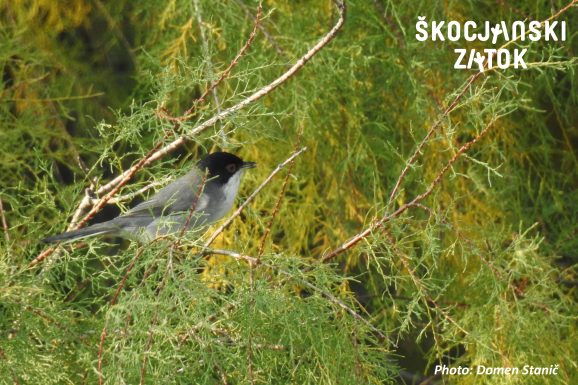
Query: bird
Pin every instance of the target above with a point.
(195, 200)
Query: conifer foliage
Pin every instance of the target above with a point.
(405, 217)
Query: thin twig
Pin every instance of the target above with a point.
(250, 360)
(263, 30)
(561, 11)
(43, 255)
(207, 55)
(112, 303)
(330, 297)
(84, 168)
(387, 217)
(51, 100)
(130, 196)
(148, 346)
(221, 228)
(225, 74)
(425, 140)
(275, 210)
(241, 257)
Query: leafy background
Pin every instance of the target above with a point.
(484, 273)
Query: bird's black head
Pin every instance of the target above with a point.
(222, 166)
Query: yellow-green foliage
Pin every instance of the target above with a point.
(483, 273)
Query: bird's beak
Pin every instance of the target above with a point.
(248, 165)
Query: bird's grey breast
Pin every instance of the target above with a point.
(221, 197)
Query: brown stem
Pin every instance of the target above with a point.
(386, 218)
(275, 210)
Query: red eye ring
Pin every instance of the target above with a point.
(232, 168)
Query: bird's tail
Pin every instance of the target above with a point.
(90, 231)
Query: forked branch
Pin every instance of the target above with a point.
(414, 202)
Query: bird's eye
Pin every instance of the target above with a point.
(231, 168)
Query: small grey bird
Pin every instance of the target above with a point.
(168, 211)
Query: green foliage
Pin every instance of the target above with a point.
(484, 273)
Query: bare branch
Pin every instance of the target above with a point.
(275, 210)
(378, 223)
(233, 254)
(263, 30)
(453, 105)
(226, 72)
(429, 134)
(130, 196)
(386, 218)
(43, 255)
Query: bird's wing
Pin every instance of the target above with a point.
(180, 195)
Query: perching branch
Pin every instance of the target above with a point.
(233, 254)
(130, 196)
